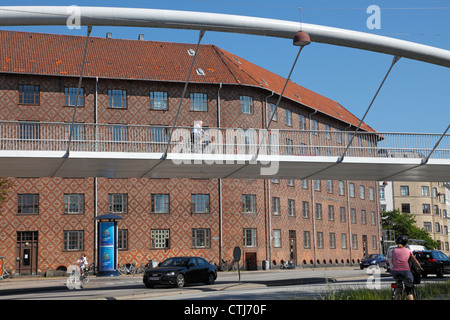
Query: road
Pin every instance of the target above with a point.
(253, 285)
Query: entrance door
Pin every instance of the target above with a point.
(293, 246)
(250, 261)
(26, 252)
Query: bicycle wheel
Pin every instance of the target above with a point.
(397, 291)
(85, 279)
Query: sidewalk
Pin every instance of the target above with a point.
(225, 280)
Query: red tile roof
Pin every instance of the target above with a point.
(61, 55)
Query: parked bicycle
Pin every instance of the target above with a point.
(130, 268)
(7, 274)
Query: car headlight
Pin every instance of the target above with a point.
(171, 273)
(374, 261)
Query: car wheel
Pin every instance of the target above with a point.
(180, 281)
(211, 279)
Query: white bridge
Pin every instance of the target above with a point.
(41, 149)
(30, 149)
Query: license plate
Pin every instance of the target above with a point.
(153, 278)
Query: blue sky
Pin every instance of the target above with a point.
(415, 98)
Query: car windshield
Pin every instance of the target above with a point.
(175, 262)
(423, 255)
(371, 256)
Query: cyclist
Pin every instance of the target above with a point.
(400, 265)
(82, 262)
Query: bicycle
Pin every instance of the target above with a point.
(399, 290)
(128, 268)
(76, 279)
(7, 274)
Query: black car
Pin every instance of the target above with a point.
(375, 259)
(179, 271)
(433, 261)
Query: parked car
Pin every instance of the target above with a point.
(433, 261)
(179, 271)
(375, 259)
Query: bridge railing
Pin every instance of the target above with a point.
(47, 136)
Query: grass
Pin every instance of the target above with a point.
(425, 291)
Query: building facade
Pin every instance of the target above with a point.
(427, 202)
(48, 222)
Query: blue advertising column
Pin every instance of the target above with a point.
(107, 245)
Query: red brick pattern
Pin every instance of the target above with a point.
(51, 221)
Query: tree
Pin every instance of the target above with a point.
(405, 224)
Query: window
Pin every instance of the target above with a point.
(404, 190)
(320, 240)
(117, 99)
(275, 205)
(372, 218)
(291, 207)
(29, 131)
(201, 238)
(122, 239)
(273, 112)
(277, 238)
(353, 215)
(330, 212)
(73, 240)
(118, 202)
(158, 100)
(329, 186)
(351, 190)
(374, 243)
(361, 192)
(199, 101)
(341, 188)
(200, 203)
(317, 185)
(302, 122)
(159, 134)
(306, 240)
(363, 217)
(327, 132)
(118, 133)
(288, 117)
(382, 192)
(343, 241)
(426, 208)
(28, 203)
(290, 182)
(318, 211)
(342, 216)
(332, 241)
(73, 203)
(160, 203)
(77, 131)
(425, 190)
(305, 207)
(406, 208)
(315, 127)
(160, 238)
(28, 94)
(427, 227)
(354, 241)
(70, 97)
(304, 184)
(249, 237)
(371, 194)
(289, 147)
(246, 104)
(249, 203)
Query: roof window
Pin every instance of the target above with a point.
(200, 72)
(191, 52)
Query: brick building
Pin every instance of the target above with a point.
(47, 222)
